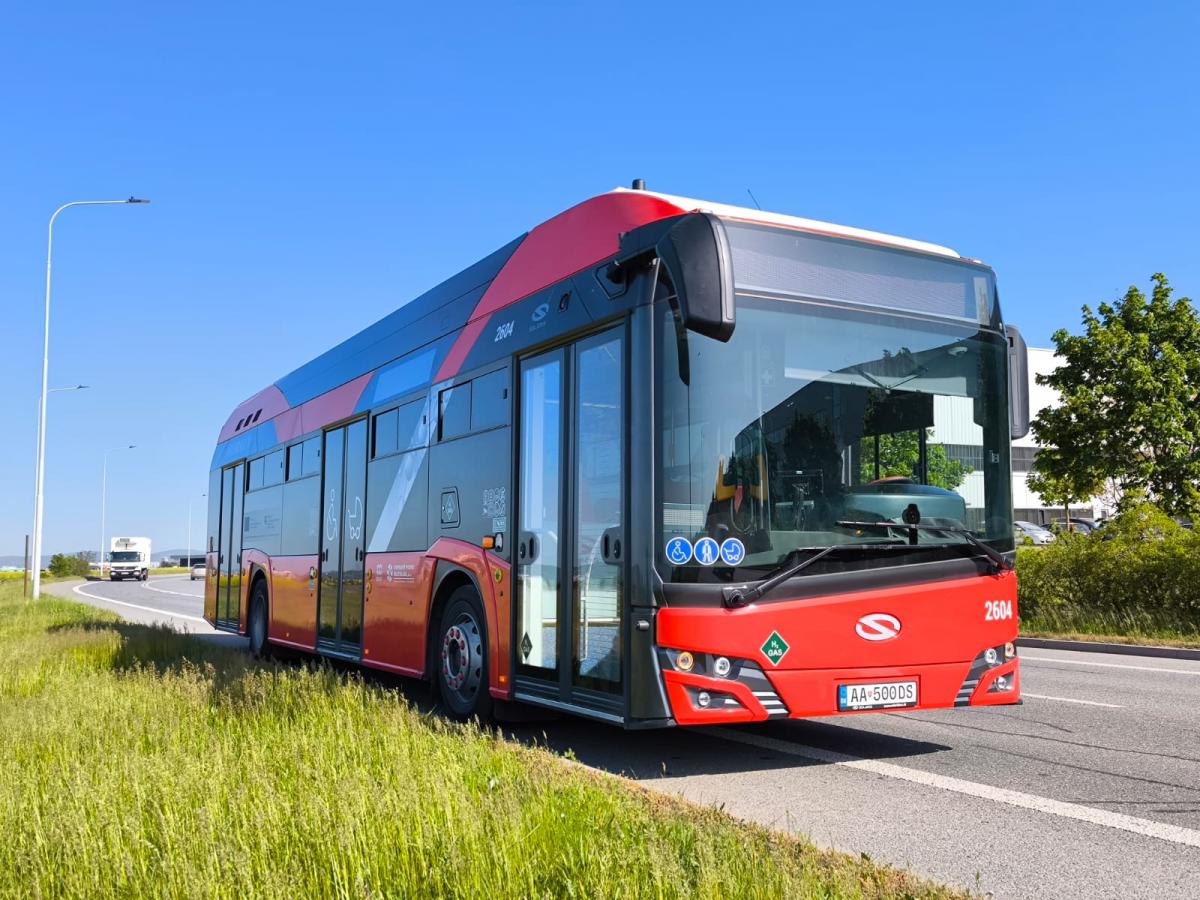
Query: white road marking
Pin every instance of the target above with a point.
(1071, 700)
(1175, 834)
(176, 593)
(78, 589)
(1081, 662)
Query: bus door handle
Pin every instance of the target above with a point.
(610, 545)
(527, 548)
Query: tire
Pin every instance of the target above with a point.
(256, 621)
(145, 574)
(460, 657)
(113, 578)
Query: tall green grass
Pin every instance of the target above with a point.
(139, 762)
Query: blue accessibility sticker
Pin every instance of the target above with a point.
(707, 551)
(733, 552)
(679, 551)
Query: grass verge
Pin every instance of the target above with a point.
(1035, 629)
(136, 761)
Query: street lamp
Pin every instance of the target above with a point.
(103, 499)
(39, 478)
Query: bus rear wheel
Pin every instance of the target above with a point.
(460, 657)
(256, 622)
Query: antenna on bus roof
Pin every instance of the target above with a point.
(752, 197)
(639, 184)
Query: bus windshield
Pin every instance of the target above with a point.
(817, 413)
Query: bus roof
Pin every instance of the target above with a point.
(446, 322)
(745, 214)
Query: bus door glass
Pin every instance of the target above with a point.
(599, 500)
(540, 510)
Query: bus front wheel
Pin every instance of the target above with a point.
(460, 657)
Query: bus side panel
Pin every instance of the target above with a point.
(293, 618)
(492, 574)
(396, 614)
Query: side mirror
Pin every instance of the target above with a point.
(697, 257)
(1018, 383)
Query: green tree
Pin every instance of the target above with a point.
(1130, 404)
(900, 454)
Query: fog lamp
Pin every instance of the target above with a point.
(1003, 684)
(684, 661)
(703, 699)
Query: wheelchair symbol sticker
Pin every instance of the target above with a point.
(707, 551)
(733, 552)
(679, 551)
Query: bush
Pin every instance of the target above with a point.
(1140, 575)
(67, 566)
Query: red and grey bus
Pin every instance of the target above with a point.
(657, 462)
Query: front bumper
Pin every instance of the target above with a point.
(752, 695)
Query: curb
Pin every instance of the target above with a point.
(1122, 649)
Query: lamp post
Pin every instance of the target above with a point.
(103, 501)
(39, 478)
(25, 589)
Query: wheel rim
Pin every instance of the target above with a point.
(462, 659)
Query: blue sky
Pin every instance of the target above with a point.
(313, 166)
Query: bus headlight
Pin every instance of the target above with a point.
(721, 666)
(990, 656)
(1010, 650)
(684, 661)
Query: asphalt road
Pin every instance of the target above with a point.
(1091, 788)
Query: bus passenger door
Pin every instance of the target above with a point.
(570, 553)
(342, 557)
(229, 548)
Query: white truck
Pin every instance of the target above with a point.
(129, 557)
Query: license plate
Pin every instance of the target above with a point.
(880, 695)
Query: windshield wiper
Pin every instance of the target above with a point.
(997, 559)
(739, 596)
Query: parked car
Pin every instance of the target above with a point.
(1079, 526)
(199, 570)
(1036, 534)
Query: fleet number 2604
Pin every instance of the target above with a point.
(997, 610)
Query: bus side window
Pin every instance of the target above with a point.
(454, 411)
(489, 400)
(256, 474)
(312, 456)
